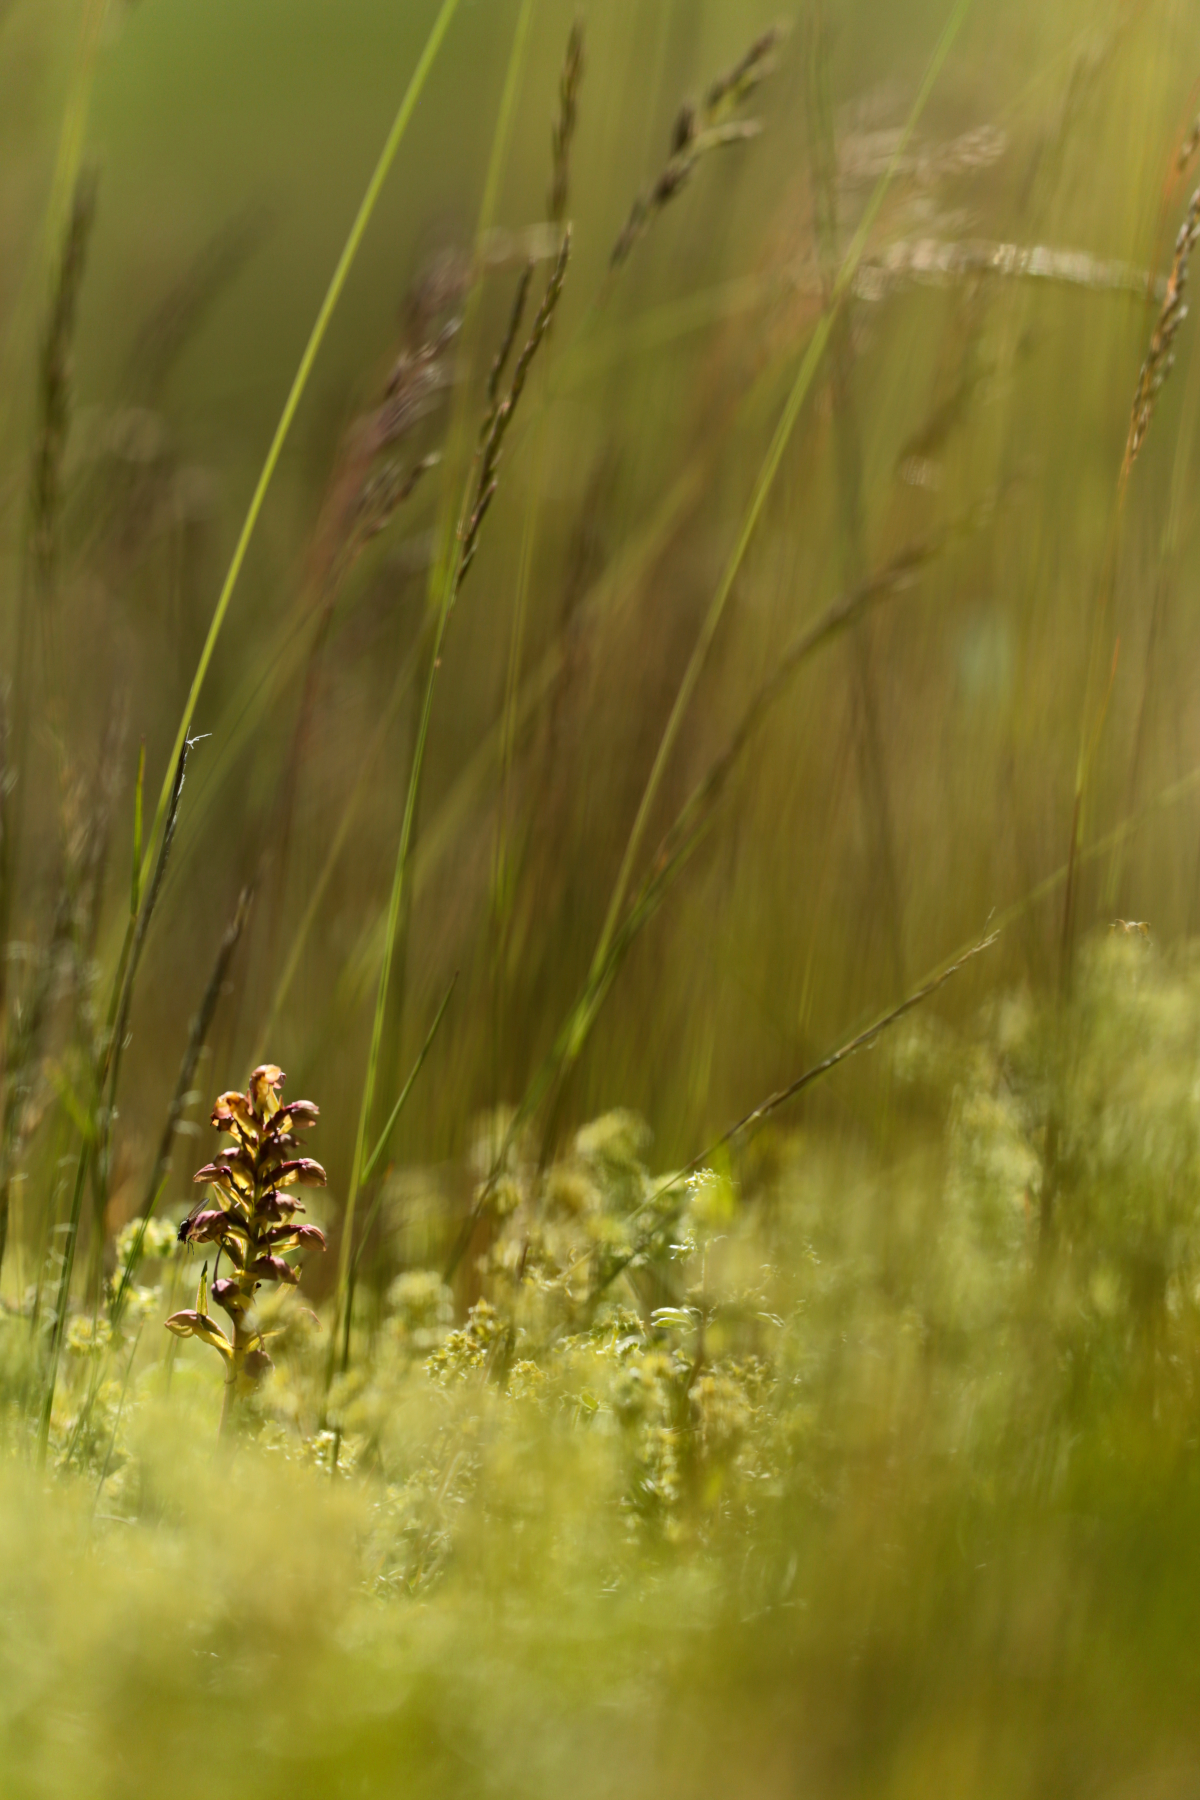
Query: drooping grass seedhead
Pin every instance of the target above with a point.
(564, 125)
(376, 470)
(499, 417)
(252, 1223)
(1160, 358)
(699, 129)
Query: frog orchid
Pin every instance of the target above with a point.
(251, 1221)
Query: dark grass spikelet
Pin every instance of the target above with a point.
(501, 358)
(500, 417)
(252, 1223)
(739, 82)
(415, 386)
(564, 125)
(373, 475)
(699, 129)
(1160, 358)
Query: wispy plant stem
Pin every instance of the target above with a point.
(763, 486)
(861, 1040)
(333, 294)
(95, 1140)
(446, 580)
(369, 1169)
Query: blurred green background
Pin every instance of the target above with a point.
(920, 772)
(864, 1461)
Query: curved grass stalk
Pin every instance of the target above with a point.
(614, 586)
(620, 927)
(455, 808)
(368, 1171)
(75, 117)
(68, 162)
(333, 294)
(444, 583)
(691, 825)
(349, 814)
(105, 1074)
(459, 433)
(764, 484)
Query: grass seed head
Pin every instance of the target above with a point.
(564, 124)
(699, 129)
(1160, 358)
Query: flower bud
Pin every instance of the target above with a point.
(230, 1298)
(197, 1324)
(273, 1268)
(304, 1172)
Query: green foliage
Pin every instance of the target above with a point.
(858, 1470)
(815, 616)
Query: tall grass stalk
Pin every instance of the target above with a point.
(1181, 474)
(459, 436)
(562, 138)
(36, 587)
(337, 284)
(851, 1046)
(371, 1164)
(684, 836)
(477, 498)
(1156, 368)
(68, 164)
(447, 568)
(762, 488)
(849, 463)
(458, 534)
(577, 1027)
(96, 1128)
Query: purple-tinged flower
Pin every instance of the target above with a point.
(273, 1268)
(199, 1324)
(251, 1220)
(229, 1296)
(304, 1172)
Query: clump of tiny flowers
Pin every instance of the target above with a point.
(251, 1222)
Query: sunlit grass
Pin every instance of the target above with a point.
(688, 649)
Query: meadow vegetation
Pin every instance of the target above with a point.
(607, 588)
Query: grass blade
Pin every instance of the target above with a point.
(766, 481)
(292, 404)
(373, 1160)
(135, 891)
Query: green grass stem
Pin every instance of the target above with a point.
(766, 481)
(333, 294)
